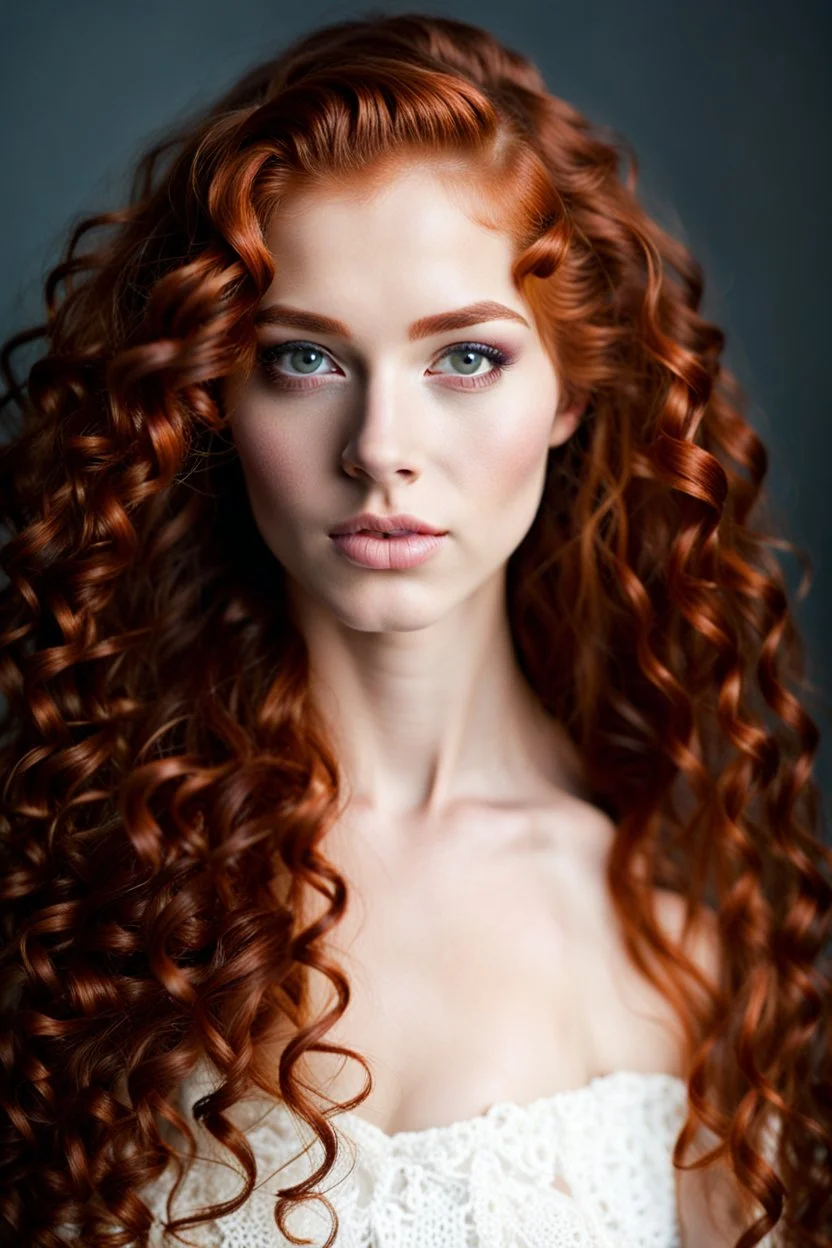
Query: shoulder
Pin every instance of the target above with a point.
(703, 940)
(700, 940)
(709, 1208)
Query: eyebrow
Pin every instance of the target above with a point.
(440, 323)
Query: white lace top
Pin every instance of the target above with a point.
(584, 1168)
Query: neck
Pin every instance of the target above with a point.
(427, 719)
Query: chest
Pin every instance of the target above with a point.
(479, 972)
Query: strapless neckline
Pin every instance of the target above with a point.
(649, 1082)
(484, 1179)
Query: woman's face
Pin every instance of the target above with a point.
(387, 413)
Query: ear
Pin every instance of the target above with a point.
(567, 419)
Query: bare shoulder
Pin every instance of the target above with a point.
(710, 1214)
(703, 941)
(709, 1209)
(708, 1201)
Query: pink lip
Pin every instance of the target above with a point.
(392, 554)
(385, 524)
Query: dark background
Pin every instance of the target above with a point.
(727, 103)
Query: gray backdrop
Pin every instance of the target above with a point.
(727, 103)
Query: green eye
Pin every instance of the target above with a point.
(305, 359)
(471, 354)
(471, 359)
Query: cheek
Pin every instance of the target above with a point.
(280, 464)
(503, 487)
(510, 460)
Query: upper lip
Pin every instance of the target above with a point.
(384, 524)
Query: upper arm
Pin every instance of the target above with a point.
(708, 1201)
(710, 1214)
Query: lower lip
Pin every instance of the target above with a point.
(388, 553)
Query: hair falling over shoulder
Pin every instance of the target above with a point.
(167, 784)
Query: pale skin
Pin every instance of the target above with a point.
(481, 947)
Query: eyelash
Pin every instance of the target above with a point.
(500, 359)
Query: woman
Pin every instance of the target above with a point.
(394, 674)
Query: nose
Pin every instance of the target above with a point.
(382, 446)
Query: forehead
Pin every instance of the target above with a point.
(414, 228)
(388, 182)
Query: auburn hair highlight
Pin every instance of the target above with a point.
(167, 781)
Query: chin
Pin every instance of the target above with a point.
(395, 609)
(390, 620)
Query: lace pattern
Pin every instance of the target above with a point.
(583, 1168)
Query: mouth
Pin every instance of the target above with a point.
(387, 528)
(387, 550)
(387, 535)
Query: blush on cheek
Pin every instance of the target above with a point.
(515, 459)
(276, 466)
(275, 495)
(507, 481)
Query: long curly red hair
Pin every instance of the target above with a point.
(167, 782)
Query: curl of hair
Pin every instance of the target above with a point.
(167, 782)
